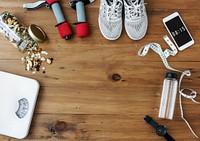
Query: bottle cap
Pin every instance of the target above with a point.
(36, 33)
(171, 75)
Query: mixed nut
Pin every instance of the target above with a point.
(34, 59)
(18, 35)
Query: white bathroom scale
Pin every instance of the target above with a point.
(18, 97)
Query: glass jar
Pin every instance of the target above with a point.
(16, 32)
(25, 39)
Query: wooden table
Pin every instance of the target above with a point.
(78, 96)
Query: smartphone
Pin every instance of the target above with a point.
(178, 31)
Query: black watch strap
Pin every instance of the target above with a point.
(149, 120)
(156, 127)
(168, 137)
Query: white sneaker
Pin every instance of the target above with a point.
(110, 18)
(136, 21)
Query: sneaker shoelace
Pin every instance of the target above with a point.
(135, 9)
(114, 10)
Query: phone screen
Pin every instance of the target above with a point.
(178, 31)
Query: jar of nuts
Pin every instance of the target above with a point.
(20, 36)
(25, 39)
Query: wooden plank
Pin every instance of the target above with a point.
(182, 4)
(109, 101)
(80, 74)
(104, 127)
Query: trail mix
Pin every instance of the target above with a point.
(18, 35)
(34, 59)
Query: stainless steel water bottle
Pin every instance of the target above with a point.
(168, 97)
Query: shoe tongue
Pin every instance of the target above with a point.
(110, 2)
(133, 2)
(139, 1)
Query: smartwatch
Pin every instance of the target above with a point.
(160, 129)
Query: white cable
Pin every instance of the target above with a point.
(163, 55)
(192, 96)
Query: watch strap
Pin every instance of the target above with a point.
(168, 137)
(151, 121)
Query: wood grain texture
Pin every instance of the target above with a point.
(77, 88)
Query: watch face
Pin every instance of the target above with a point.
(161, 130)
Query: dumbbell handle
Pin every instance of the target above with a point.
(63, 26)
(80, 11)
(82, 29)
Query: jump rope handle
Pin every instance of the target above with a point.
(63, 26)
(82, 29)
